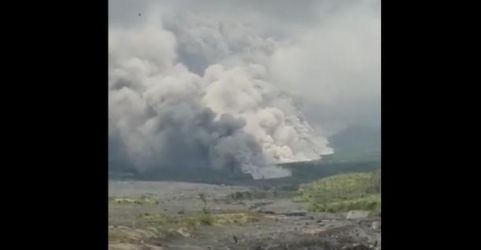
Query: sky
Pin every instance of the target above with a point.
(282, 76)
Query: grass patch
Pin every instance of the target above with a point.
(203, 218)
(370, 203)
(144, 199)
(341, 193)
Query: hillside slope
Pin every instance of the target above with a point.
(344, 192)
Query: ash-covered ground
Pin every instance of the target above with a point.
(179, 215)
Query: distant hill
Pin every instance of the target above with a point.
(357, 149)
(356, 144)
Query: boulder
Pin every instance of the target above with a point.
(183, 232)
(357, 214)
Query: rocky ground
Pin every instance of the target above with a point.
(178, 216)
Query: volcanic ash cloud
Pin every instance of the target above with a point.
(231, 116)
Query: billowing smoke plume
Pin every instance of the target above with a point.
(222, 111)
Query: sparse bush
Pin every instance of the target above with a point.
(376, 181)
(206, 219)
(204, 201)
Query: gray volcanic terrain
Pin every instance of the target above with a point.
(241, 218)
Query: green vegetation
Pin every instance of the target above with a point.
(205, 218)
(341, 193)
(144, 199)
(369, 203)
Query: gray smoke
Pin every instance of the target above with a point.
(164, 115)
(193, 87)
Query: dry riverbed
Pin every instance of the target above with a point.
(176, 215)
